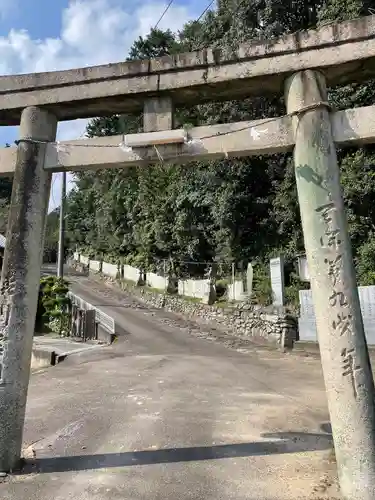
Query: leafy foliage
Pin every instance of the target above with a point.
(53, 305)
(224, 210)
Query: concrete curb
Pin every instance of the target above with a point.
(44, 356)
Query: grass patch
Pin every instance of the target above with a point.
(223, 304)
(194, 300)
(153, 290)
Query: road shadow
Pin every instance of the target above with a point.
(287, 442)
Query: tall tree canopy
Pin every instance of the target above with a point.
(223, 210)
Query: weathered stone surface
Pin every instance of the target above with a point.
(344, 354)
(20, 278)
(341, 50)
(349, 127)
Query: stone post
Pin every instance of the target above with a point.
(249, 280)
(61, 248)
(277, 281)
(212, 276)
(344, 355)
(158, 114)
(20, 277)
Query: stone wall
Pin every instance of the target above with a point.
(261, 324)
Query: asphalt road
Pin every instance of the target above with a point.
(166, 413)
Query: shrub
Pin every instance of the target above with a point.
(262, 290)
(53, 305)
(222, 288)
(366, 262)
(292, 291)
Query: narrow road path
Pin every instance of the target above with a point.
(164, 414)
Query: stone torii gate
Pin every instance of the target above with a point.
(301, 65)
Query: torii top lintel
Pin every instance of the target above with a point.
(345, 52)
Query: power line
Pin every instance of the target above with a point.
(204, 46)
(165, 11)
(205, 10)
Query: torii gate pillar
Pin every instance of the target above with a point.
(344, 355)
(21, 277)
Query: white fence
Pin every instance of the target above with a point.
(307, 322)
(95, 265)
(131, 273)
(155, 281)
(84, 260)
(198, 289)
(236, 291)
(110, 270)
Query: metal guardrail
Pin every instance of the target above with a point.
(103, 319)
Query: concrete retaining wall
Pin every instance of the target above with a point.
(40, 358)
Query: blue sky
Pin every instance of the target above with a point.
(47, 35)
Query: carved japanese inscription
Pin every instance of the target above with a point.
(351, 370)
(331, 240)
(342, 318)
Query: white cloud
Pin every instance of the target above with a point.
(93, 32)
